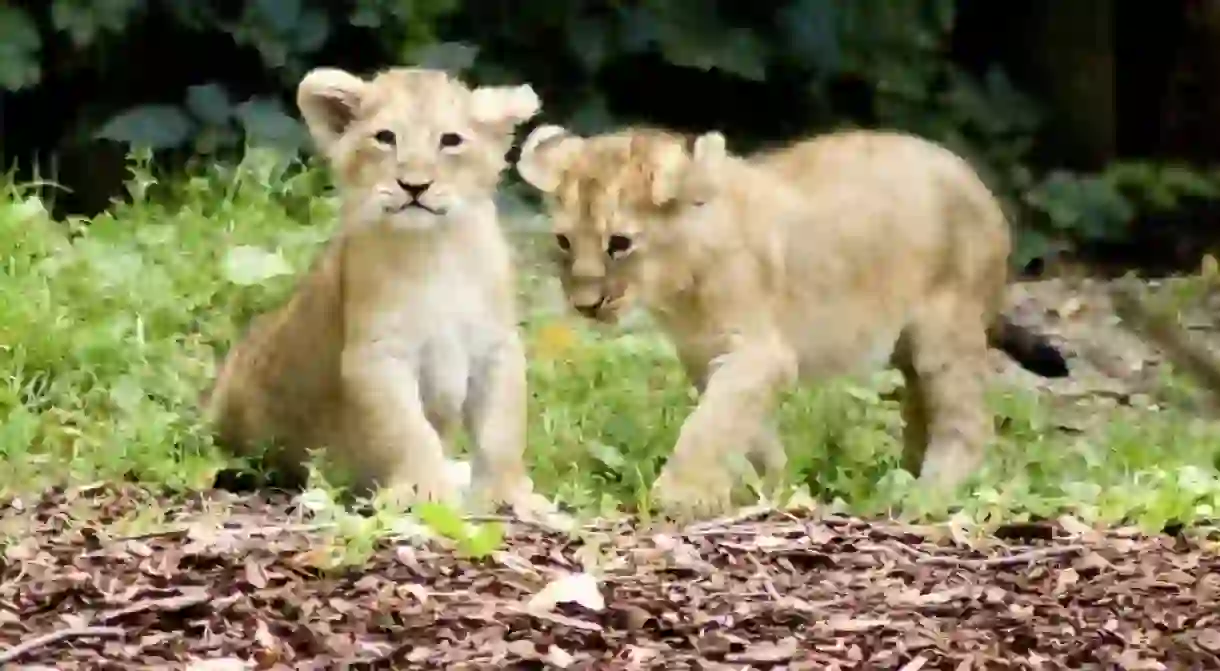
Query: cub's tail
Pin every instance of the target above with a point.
(1033, 351)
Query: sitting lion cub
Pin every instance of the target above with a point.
(827, 257)
(405, 327)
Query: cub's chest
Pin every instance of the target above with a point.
(449, 334)
(448, 313)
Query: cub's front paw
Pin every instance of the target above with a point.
(440, 490)
(523, 502)
(688, 496)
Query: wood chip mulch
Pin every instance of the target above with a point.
(771, 592)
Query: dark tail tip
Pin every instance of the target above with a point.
(1032, 351)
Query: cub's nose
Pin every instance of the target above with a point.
(591, 309)
(414, 190)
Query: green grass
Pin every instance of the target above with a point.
(108, 332)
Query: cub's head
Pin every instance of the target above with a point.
(412, 145)
(624, 207)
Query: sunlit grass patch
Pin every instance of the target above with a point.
(110, 329)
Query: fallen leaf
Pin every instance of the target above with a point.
(556, 656)
(1209, 639)
(256, 575)
(767, 653)
(1067, 578)
(581, 588)
(220, 664)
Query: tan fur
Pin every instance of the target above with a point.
(831, 256)
(405, 327)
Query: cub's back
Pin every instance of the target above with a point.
(889, 197)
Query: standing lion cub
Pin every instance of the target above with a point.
(831, 256)
(405, 327)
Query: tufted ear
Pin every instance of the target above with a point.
(545, 154)
(698, 177)
(670, 166)
(328, 99)
(504, 105)
(709, 150)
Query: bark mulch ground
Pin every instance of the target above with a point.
(768, 593)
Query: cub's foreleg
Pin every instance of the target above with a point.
(736, 404)
(390, 441)
(495, 418)
(766, 452)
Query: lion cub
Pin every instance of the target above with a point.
(827, 257)
(405, 327)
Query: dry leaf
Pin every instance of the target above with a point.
(220, 664)
(581, 588)
(767, 653)
(556, 656)
(1209, 639)
(256, 575)
(1067, 577)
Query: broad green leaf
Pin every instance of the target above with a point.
(482, 541)
(312, 31)
(247, 265)
(149, 126)
(210, 103)
(441, 519)
(589, 41)
(265, 122)
(455, 57)
(744, 55)
(592, 116)
(281, 15)
(84, 20)
(809, 29)
(77, 19)
(19, 49)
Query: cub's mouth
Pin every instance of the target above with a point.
(608, 310)
(416, 205)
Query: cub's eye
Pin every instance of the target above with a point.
(563, 242)
(385, 137)
(618, 245)
(451, 140)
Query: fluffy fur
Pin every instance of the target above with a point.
(830, 256)
(405, 327)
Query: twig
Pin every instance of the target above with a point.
(193, 597)
(746, 515)
(1007, 560)
(56, 636)
(273, 530)
(513, 519)
(768, 584)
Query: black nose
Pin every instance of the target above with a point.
(414, 190)
(591, 309)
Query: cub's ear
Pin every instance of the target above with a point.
(670, 165)
(545, 154)
(504, 105)
(709, 150)
(328, 99)
(701, 177)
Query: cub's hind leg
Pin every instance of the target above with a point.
(943, 359)
(914, 408)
